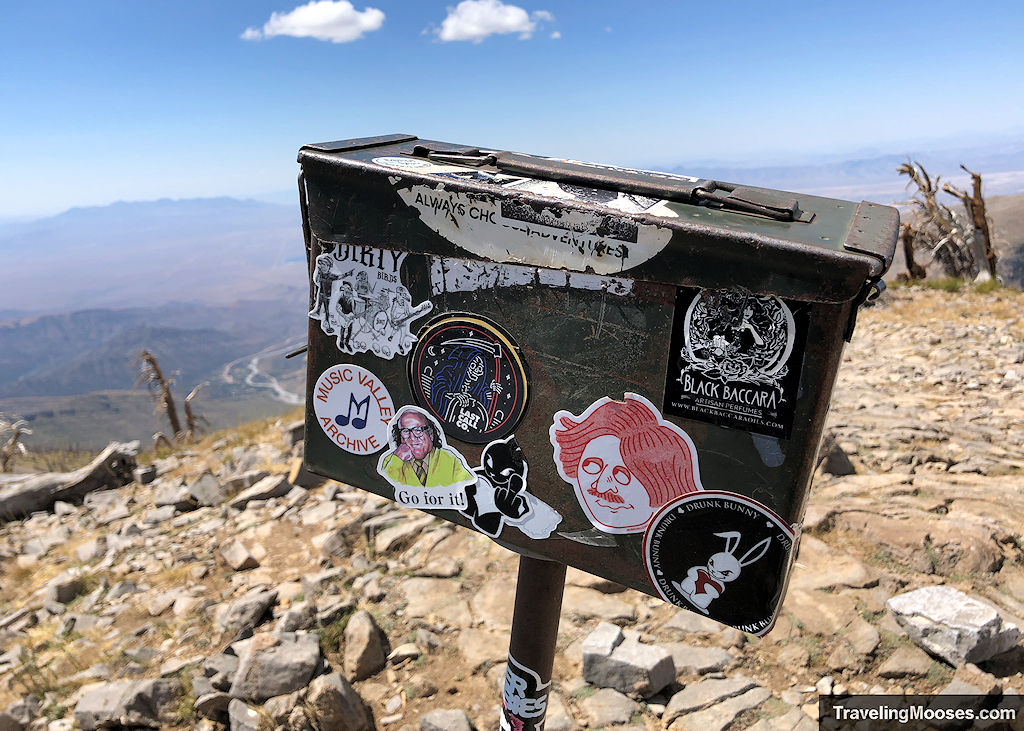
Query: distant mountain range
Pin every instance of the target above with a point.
(147, 254)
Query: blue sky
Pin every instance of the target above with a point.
(136, 100)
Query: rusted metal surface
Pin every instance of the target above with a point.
(587, 337)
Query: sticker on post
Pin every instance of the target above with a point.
(721, 554)
(624, 461)
(524, 699)
(735, 360)
(500, 494)
(353, 407)
(359, 298)
(468, 373)
(425, 472)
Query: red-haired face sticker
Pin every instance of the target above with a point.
(624, 461)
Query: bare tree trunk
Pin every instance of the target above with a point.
(111, 468)
(975, 204)
(914, 270)
(159, 389)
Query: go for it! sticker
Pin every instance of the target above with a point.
(353, 407)
(468, 374)
(720, 554)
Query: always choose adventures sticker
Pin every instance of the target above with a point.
(735, 360)
(468, 373)
(721, 554)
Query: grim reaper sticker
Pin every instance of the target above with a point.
(500, 495)
(737, 360)
(359, 298)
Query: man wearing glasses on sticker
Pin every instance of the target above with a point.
(419, 455)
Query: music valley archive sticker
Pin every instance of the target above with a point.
(353, 407)
(735, 359)
(721, 554)
(467, 373)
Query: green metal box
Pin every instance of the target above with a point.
(624, 371)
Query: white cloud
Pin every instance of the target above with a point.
(474, 20)
(556, 35)
(336, 21)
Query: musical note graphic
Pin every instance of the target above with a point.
(358, 421)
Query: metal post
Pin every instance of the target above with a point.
(531, 650)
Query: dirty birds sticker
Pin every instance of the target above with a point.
(524, 698)
(353, 407)
(469, 374)
(720, 554)
(358, 297)
(500, 494)
(425, 472)
(735, 360)
(624, 461)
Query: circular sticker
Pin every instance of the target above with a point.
(720, 554)
(468, 373)
(353, 407)
(404, 163)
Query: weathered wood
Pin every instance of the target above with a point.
(110, 469)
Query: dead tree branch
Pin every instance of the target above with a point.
(16, 428)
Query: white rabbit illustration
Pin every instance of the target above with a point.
(705, 583)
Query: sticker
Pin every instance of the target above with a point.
(353, 407)
(425, 472)
(624, 461)
(462, 275)
(554, 237)
(737, 360)
(467, 372)
(500, 494)
(524, 699)
(358, 297)
(404, 163)
(721, 554)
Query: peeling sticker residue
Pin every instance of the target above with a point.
(461, 275)
(511, 229)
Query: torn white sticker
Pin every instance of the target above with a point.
(511, 229)
(359, 298)
(353, 407)
(462, 275)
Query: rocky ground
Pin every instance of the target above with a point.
(233, 592)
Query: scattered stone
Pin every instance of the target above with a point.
(832, 459)
(948, 623)
(591, 604)
(63, 588)
(611, 660)
(332, 543)
(213, 705)
(336, 704)
(364, 647)
(242, 717)
(576, 577)
(720, 716)
(207, 490)
(91, 550)
(408, 651)
(269, 487)
(706, 693)
(300, 476)
(609, 707)
(127, 703)
(238, 556)
(144, 474)
(907, 662)
(176, 496)
(691, 660)
(246, 612)
(692, 623)
(301, 615)
(275, 664)
(446, 721)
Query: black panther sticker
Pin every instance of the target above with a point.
(720, 554)
(735, 359)
(500, 495)
(469, 374)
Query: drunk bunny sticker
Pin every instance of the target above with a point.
(624, 461)
(721, 554)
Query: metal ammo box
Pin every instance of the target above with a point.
(623, 371)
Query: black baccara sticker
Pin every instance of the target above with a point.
(720, 554)
(468, 373)
(735, 360)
